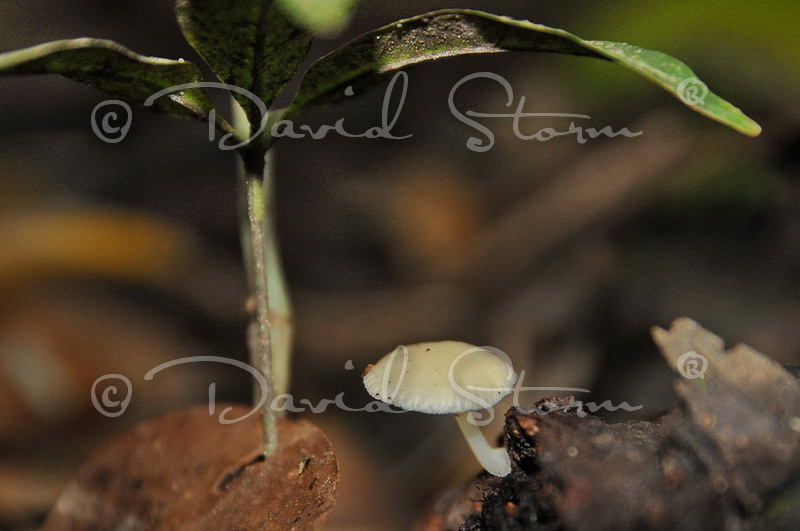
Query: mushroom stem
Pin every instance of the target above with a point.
(494, 460)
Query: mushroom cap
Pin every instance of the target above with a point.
(421, 380)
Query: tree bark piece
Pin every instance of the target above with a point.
(728, 457)
(187, 470)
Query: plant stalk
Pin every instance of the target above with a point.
(280, 310)
(254, 232)
(269, 334)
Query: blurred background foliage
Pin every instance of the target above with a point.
(115, 258)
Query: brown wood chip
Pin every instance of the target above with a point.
(187, 470)
(727, 458)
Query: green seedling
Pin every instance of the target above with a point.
(255, 47)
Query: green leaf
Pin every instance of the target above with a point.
(457, 32)
(247, 43)
(325, 18)
(677, 78)
(115, 70)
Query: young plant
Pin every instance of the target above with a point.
(255, 48)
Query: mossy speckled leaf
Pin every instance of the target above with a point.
(325, 18)
(117, 71)
(456, 32)
(247, 43)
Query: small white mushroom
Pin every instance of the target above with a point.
(447, 377)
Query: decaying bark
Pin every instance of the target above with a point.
(727, 458)
(186, 470)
